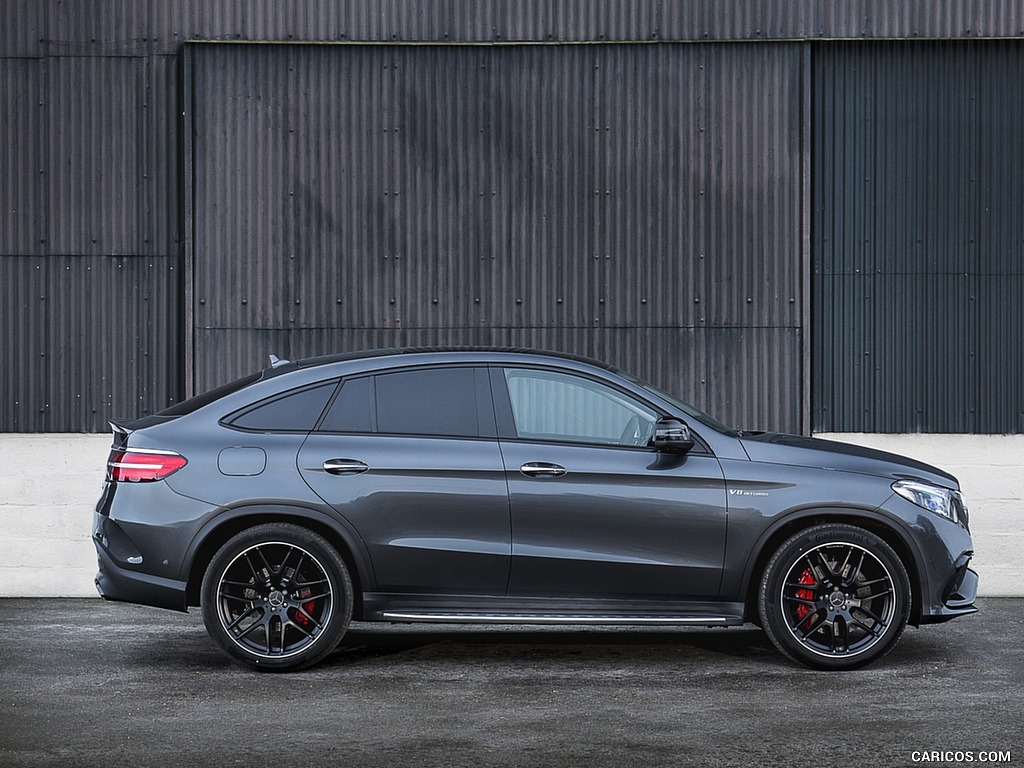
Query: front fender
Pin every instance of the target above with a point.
(890, 528)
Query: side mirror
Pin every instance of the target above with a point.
(672, 435)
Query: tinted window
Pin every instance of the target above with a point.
(352, 410)
(295, 412)
(557, 406)
(438, 401)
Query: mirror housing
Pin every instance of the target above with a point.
(672, 435)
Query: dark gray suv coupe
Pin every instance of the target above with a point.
(514, 487)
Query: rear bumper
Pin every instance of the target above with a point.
(123, 585)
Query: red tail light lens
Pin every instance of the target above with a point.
(142, 466)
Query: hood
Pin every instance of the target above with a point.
(775, 448)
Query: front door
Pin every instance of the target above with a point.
(597, 513)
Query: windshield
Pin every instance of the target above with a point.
(689, 410)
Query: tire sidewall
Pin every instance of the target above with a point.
(788, 554)
(339, 581)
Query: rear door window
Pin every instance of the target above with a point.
(438, 402)
(352, 410)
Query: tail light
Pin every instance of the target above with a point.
(142, 466)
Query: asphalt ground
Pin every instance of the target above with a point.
(89, 683)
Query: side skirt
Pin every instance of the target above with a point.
(510, 610)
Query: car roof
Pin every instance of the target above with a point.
(449, 350)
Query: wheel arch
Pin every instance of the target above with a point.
(883, 527)
(216, 532)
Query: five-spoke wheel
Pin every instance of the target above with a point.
(277, 597)
(834, 596)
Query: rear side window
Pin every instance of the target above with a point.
(296, 411)
(438, 401)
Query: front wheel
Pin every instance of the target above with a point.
(277, 597)
(835, 596)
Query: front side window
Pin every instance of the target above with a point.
(562, 407)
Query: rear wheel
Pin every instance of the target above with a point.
(835, 596)
(277, 597)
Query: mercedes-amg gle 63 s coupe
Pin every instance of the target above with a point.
(514, 487)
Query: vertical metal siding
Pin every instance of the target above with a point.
(89, 242)
(22, 220)
(159, 27)
(86, 325)
(22, 28)
(109, 160)
(918, 238)
(90, 166)
(639, 203)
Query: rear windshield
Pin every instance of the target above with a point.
(186, 407)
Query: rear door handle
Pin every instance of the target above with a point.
(345, 466)
(542, 469)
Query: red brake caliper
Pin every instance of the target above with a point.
(807, 577)
(307, 607)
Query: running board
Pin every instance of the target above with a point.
(480, 618)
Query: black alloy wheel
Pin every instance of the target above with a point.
(277, 597)
(835, 596)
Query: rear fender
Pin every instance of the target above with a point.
(226, 522)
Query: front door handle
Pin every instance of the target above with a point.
(542, 469)
(345, 466)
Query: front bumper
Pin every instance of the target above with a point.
(958, 597)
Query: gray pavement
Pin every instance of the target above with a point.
(88, 683)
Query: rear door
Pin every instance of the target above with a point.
(410, 459)
(595, 512)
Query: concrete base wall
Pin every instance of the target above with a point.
(49, 487)
(51, 483)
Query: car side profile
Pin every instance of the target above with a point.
(514, 487)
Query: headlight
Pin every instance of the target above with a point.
(934, 498)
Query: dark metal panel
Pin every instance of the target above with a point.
(750, 188)
(94, 335)
(23, 132)
(109, 165)
(919, 221)
(153, 27)
(22, 28)
(461, 191)
(939, 353)
(456, 157)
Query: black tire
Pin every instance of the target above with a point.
(277, 597)
(834, 596)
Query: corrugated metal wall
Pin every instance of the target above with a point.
(155, 27)
(638, 203)
(918, 239)
(92, 177)
(90, 253)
